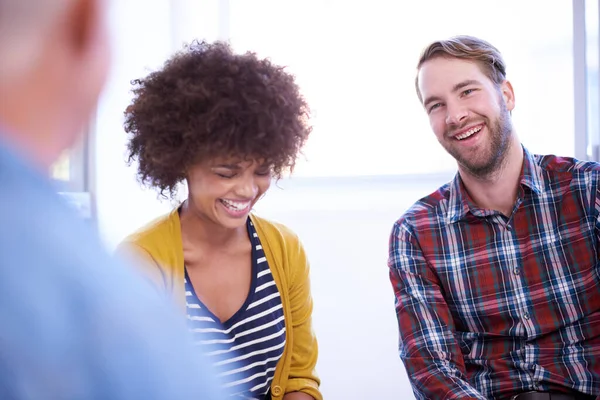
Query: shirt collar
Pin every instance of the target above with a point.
(531, 175)
(460, 203)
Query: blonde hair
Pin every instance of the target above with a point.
(469, 48)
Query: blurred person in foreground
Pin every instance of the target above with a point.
(73, 323)
(496, 274)
(227, 124)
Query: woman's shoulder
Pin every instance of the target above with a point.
(274, 231)
(282, 243)
(159, 232)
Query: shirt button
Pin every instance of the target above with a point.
(276, 390)
(526, 316)
(516, 271)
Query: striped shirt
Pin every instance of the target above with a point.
(246, 348)
(489, 306)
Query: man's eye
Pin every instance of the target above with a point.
(433, 107)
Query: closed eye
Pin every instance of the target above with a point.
(265, 169)
(226, 176)
(225, 172)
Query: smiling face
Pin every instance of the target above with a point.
(468, 113)
(224, 190)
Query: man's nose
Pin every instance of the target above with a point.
(455, 114)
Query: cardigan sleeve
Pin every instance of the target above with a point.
(302, 376)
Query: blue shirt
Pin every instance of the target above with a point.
(74, 323)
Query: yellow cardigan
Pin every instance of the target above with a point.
(160, 247)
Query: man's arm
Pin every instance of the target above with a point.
(428, 348)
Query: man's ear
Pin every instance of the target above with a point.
(83, 21)
(508, 95)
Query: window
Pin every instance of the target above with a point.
(61, 168)
(71, 169)
(70, 172)
(592, 84)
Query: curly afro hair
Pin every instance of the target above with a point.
(208, 102)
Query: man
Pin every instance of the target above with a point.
(74, 324)
(496, 273)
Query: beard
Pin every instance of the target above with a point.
(485, 161)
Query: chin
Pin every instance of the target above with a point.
(232, 223)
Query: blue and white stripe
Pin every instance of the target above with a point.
(245, 349)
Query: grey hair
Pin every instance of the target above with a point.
(23, 24)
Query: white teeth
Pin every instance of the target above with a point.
(236, 205)
(468, 133)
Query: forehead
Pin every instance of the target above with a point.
(234, 161)
(439, 75)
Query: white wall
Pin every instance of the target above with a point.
(141, 40)
(145, 34)
(344, 224)
(344, 227)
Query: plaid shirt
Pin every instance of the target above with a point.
(490, 306)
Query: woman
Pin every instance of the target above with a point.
(226, 124)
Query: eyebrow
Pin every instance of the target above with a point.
(455, 89)
(463, 84)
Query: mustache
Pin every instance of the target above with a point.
(452, 130)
